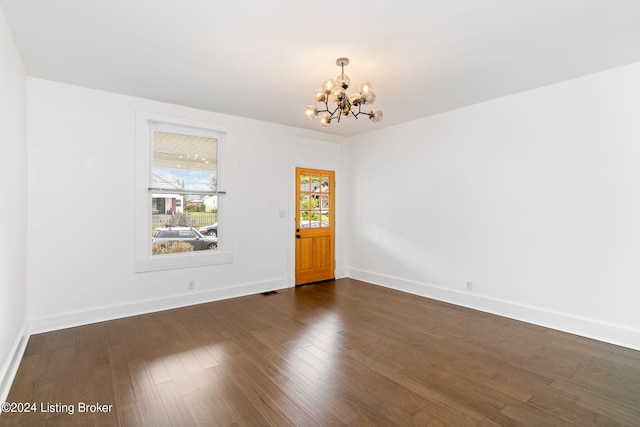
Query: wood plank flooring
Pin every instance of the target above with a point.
(337, 353)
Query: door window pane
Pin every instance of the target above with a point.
(324, 185)
(315, 184)
(324, 202)
(305, 183)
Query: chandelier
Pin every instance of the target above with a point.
(345, 105)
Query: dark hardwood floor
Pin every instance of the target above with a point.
(337, 353)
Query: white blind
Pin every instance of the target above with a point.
(183, 160)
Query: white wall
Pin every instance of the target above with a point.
(534, 198)
(81, 254)
(13, 223)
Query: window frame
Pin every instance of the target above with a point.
(144, 260)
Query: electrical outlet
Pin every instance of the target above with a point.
(191, 285)
(469, 285)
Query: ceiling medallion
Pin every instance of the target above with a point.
(345, 105)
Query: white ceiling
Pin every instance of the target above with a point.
(264, 59)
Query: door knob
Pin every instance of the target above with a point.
(297, 236)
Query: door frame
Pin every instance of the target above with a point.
(312, 153)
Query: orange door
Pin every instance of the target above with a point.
(315, 225)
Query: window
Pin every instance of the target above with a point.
(178, 202)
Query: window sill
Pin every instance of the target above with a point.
(173, 261)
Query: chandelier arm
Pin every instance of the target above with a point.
(359, 111)
(332, 115)
(351, 108)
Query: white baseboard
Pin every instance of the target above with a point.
(85, 317)
(10, 367)
(589, 328)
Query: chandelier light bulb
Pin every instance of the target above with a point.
(375, 116)
(365, 88)
(338, 94)
(325, 119)
(320, 95)
(355, 99)
(327, 85)
(343, 80)
(311, 112)
(369, 98)
(344, 104)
